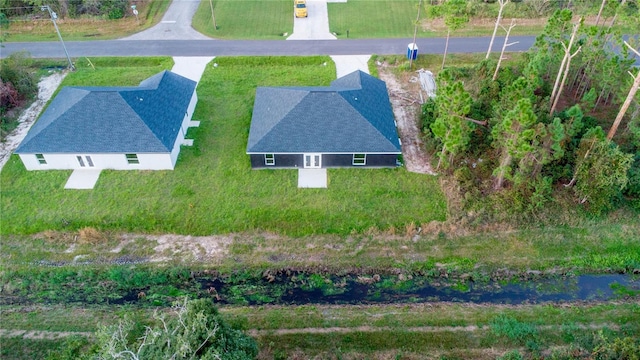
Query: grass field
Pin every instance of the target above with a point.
(213, 189)
(242, 19)
(418, 331)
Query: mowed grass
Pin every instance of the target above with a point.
(213, 189)
(373, 19)
(245, 19)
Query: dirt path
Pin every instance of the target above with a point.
(53, 335)
(40, 334)
(406, 110)
(46, 88)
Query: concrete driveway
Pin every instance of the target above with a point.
(315, 26)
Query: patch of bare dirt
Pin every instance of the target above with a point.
(46, 87)
(209, 248)
(406, 108)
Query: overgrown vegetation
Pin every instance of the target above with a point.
(18, 85)
(522, 145)
(78, 19)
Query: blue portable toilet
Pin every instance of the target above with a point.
(412, 51)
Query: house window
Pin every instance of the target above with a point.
(41, 159)
(359, 159)
(132, 158)
(80, 161)
(269, 159)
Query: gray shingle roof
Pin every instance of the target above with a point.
(353, 115)
(142, 119)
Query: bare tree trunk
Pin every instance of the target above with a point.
(600, 11)
(444, 148)
(564, 78)
(504, 46)
(506, 160)
(627, 102)
(495, 28)
(567, 54)
(615, 16)
(575, 173)
(446, 47)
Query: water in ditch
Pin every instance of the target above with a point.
(356, 290)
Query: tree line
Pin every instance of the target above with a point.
(537, 128)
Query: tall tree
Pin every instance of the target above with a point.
(505, 45)
(604, 2)
(502, 4)
(564, 66)
(456, 16)
(514, 137)
(627, 102)
(601, 170)
(451, 126)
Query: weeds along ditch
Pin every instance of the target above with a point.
(160, 286)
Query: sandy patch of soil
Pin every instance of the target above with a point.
(209, 248)
(406, 107)
(46, 87)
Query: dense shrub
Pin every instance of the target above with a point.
(18, 83)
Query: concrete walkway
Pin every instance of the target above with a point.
(83, 179)
(312, 178)
(175, 24)
(315, 26)
(346, 64)
(190, 67)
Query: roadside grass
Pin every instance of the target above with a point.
(396, 19)
(242, 19)
(89, 28)
(213, 189)
(373, 19)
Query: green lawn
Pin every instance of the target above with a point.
(242, 19)
(373, 19)
(213, 189)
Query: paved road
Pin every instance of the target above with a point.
(79, 49)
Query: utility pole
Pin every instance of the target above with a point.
(415, 33)
(213, 17)
(54, 16)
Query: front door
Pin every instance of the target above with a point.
(81, 161)
(312, 161)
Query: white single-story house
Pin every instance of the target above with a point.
(120, 128)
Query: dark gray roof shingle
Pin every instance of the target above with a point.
(352, 115)
(142, 119)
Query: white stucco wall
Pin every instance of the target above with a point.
(100, 161)
(183, 128)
